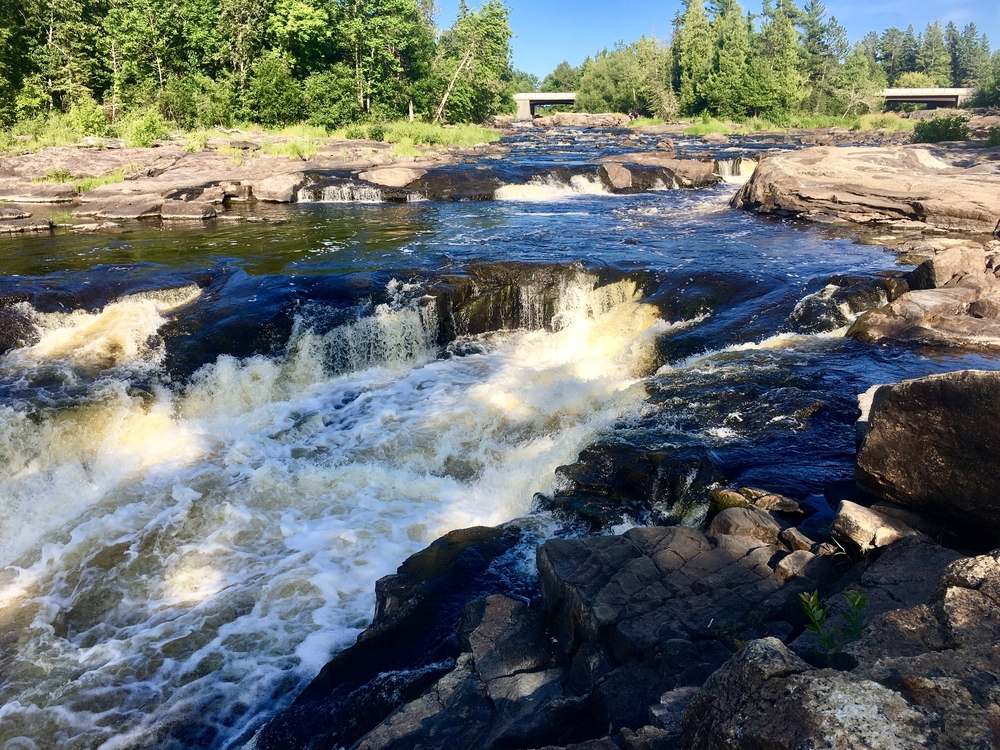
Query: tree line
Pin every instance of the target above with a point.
(202, 63)
(729, 63)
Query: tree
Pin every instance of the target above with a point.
(633, 79)
(971, 61)
(777, 84)
(522, 82)
(692, 50)
(824, 46)
(725, 90)
(564, 78)
(933, 57)
(915, 80)
(860, 83)
(892, 52)
(473, 65)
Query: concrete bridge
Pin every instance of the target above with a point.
(934, 98)
(526, 103)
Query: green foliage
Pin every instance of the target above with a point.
(472, 68)
(144, 128)
(522, 82)
(644, 122)
(993, 136)
(296, 148)
(564, 78)
(274, 96)
(914, 80)
(330, 99)
(89, 183)
(704, 128)
(693, 50)
(434, 135)
(831, 637)
(87, 116)
(941, 129)
(633, 79)
(197, 102)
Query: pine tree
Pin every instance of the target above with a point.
(693, 55)
(932, 57)
(774, 64)
(726, 86)
(972, 62)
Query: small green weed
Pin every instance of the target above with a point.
(62, 217)
(297, 148)
(831, 637)
(56, 174)
(993, 136)
(704, 128)
(405, 147)
(645, 122)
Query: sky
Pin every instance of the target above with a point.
(546, 32)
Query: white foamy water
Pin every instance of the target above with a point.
(550, 188)
(736, 170)
(180, 564)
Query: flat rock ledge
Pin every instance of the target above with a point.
(949, 187)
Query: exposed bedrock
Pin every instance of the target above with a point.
(948, 186)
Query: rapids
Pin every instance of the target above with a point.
(213, 441)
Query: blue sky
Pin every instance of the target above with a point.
(549, 31)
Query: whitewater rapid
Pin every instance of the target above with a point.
(210, 545)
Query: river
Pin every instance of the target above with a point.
(214, 440)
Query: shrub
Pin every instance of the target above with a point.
(196, 101)
(143, 128)
(993, 136)
(941, 129)
(87, 116)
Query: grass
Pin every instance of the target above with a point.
(428, 134)
(302, 130)
(644, 122)
(296, 148)
(405, 147)
(235, 153)
(712, 126)
(63, 217)
(89, 183)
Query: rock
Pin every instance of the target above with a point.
(793, 565)
(191, 210)
(646, 738)
(137, 207)
(281, 188)
(940, 186)
(723, 499)
(615, 176)
(8, 213)
(686, 172)
(985, 308)
(867, 528)
(16, 226)
(506, 637)
(17, 327)
(931, 446)
(796, 540)
(407, 648)
(819, 709)
(37, 192)
(668, 714)
(666, 145)
(451, 714)
(715, 138)
(662, 594)
(946, 266)
(749, 521)
(392, 176)
(582, 120)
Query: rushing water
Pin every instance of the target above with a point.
(213, 441)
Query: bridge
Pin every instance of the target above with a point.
(932, 97)
(526, 103)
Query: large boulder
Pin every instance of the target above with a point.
(931, 445)
(913, 186)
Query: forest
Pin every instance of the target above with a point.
(98, 66)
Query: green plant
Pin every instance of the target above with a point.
(89, 183)
(296, 148)
(993, 136)
(144, 129)
(643, 122)
(62, 217)
(941, 129)
(830, 637)
(405, 147)
(56, 174)
(704, 128)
